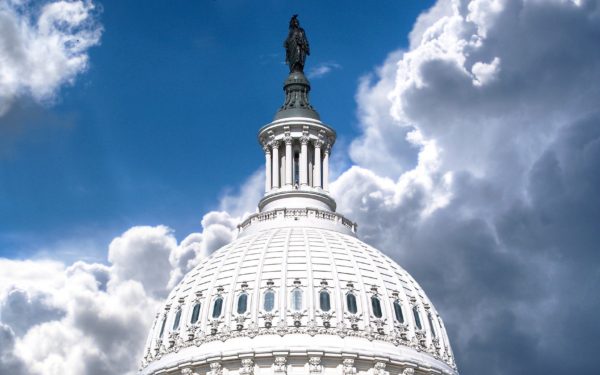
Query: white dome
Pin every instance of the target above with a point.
(300, 263)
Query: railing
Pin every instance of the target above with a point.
(297, 212)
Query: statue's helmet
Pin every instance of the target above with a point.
(294, 21)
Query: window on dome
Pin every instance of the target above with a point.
(177, 319)
(431, 325)
(269, 303)
(376, 305)
(297, 299)
(242, 304)
(351, 302)
(324, 301)
(417, 317)
(398, 311)
(195, 313)
(217, 307)
(162, 327)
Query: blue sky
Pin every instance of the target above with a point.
(164, 121)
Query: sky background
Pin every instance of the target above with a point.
(164, 120)
(468, 150)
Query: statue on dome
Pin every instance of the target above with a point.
(296, 46)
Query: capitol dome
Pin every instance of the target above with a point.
(297, 292)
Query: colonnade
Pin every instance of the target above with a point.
(312, 163)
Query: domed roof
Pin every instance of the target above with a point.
(300, 289)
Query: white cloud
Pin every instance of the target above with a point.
(42, 51)
(322, 69)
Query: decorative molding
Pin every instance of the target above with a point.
(408, 371)
(314, 365)
(215, 368)
(379, 369)
(280, 365)
(247, 367)
(348, 367)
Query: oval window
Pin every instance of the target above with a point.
(376, 305)
(351, 302)
(324, 301)
(297, 299)
(195, 313)
(217, 307)
(431, 325)
(417, 317)
(398, 311)
(242, 304)
(177, 319)
(269, 304)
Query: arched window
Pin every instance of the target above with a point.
(195, 313)
(162, 327)
(217, 307)
(242, 304)
(376, 305)
(417, 317)
(297, 299)
(177, 319)
(324, 301)
(398, 311)
(269, 303)
(431, 325)
(351, 303)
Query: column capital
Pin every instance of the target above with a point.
(318, 143)
(288, 139)
(266, 148)
(274, 143)
(304, 139)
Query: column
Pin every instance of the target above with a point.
(275, 146)
(267, 150)
(288, 159)
(304, 160)
(317, 171)
(326, 167)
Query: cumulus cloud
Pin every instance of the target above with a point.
(90, 318)
(497, 101)
(43, 50)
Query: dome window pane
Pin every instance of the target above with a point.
(398, 311)
(417, 317)
(217, 307)
(324, 301)
(195, 313)
(177, 319)
(297, 299)
(351, 302)
(431, 327)
(269, 303)
(242, 304)
(376, 305)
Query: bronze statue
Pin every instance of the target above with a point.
(296, 46)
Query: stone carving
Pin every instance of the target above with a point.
(379, 369)
(296, 46)
(314, 365)
(280, 365)
(247, 367)
(282, 328)
(348, 367)
(408, 371)
(188, 371)
(215, 369)
(311, 328)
